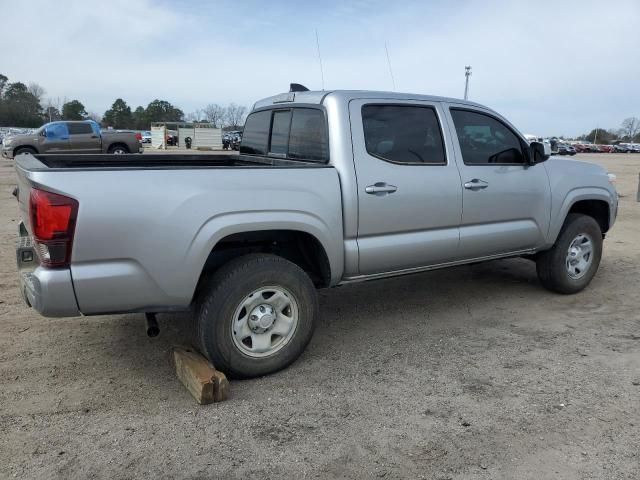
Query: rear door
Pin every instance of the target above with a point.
(82, 138)
(409, 193)
(506, 201)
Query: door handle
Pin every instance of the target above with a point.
(476, 184)
(380, 188)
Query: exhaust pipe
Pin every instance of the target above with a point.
(153, 330)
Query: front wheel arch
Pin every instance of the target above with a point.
(23, 149)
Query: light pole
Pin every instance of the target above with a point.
(467, 74)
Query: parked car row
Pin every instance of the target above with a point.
(231, 140)
(627, 148)
(594, 148)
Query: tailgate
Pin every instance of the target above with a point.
(23, 192)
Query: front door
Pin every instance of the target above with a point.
(506, 202)
(55, 138)
(409, 193)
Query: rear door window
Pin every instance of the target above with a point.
(79, 128)
(403, 134)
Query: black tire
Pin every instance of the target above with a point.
(118, 149)
(551, 265)
(21, 150)
(224, 294)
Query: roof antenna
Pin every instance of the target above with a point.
(393, 80)
(320, 59)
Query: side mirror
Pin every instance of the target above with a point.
(43, 133)
(539, 152)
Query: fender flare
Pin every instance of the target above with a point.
(220, 226)
(573, 196)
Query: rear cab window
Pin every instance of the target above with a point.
(296, 133)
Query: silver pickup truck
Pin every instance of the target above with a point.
(329, 188)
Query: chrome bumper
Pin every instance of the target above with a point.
(48, 291)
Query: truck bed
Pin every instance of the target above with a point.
(146, 224)
(156, 161)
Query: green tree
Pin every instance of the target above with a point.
(19, 107)
(163, 111)
(3, 83)
(600, 136)
(73, 110)
(51, 114)
(140, 121)
(630, 128)
(119, 115)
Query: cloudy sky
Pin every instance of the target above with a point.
(552, 67)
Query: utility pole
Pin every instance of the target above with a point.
(467, 74)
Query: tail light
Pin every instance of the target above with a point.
(139, 136)
(53, 223)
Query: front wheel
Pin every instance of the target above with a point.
(256, 316)
(22, 150)
(573, 261)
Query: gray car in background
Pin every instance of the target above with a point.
(73, 137)
(329, 188)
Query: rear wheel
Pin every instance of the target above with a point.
(118, 150)
(256, 316)
(572, 262)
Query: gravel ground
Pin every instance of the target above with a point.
(470, 372)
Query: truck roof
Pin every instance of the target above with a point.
(317, 97)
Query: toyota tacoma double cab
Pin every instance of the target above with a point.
(330, 187)
(77, 137)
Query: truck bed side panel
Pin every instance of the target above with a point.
(143, 236)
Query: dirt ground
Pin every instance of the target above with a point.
(474, 372)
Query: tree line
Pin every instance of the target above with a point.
(25, 106)
(120, 115)
(629, 132)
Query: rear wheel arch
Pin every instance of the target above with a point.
(299, 247)
(117, 145)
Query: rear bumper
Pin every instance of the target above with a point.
(48, 291)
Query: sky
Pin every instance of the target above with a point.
(551, 67)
